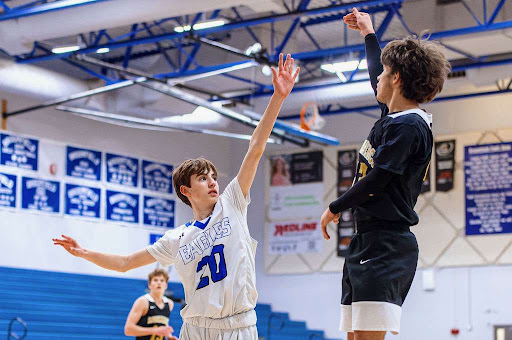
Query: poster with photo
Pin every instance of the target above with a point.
(445, 164)
(296, 185)
(347, 163)
(20, 152)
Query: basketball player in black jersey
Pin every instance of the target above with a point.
(393, 162)
(149, 316)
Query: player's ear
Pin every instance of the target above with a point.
(395, 78)
(185, 191)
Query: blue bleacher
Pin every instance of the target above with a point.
(74, 306)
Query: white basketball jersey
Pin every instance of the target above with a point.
(215, 259)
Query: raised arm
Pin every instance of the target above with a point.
(362, 22)
(283, 80)
(118, 263)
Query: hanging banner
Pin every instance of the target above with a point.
(297, 187)
(157, 177)
(488, 188)
(40, 194)
(19, 152)
(158, 212)
(7, 190)
(445, 165)
(294, 237)
(122, 170)
(347, 162)
(82, 201)
(83, 163)
(122, 207)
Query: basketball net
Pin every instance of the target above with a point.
(310, 119)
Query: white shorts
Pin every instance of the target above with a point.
(237, 327)
(370, 316)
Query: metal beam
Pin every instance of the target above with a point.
(14, 13)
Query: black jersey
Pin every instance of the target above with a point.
(155, 317)
(400, 143)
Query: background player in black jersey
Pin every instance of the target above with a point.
(149, 316)
(393, 161)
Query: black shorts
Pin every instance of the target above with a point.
(377, 275)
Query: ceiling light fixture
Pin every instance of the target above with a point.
(65, 49)
(200, 26)
(103, 50)
(345, 66)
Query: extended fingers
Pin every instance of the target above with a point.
(280, 64)
(296, 73)
(324, 231)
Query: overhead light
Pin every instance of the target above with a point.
(103, 50)
(65, 49)
(253, 49)
(200, 26)
(345, 66)
(342, 77)
(266, 70)
(200, 116)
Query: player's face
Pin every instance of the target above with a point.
(384, 88)
(158, 284)
(204, 188)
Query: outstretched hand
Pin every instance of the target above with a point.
(70, 245)
(359, 21)
(284, 78)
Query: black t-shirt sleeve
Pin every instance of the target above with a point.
(399, 142)
(375, 67)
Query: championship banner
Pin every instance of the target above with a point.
(297, 187)
(294, 237)
(445, 165)
(39, 194)
(19, 152)
(158, 212)
(122, 207)
(154, 237)
(347, 163)
(157, 177)
(122, 170)
(83, 163)
(488, 188)
(82, 201)
(7, 190)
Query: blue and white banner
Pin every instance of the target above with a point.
(7, 190)
(488, 184)
(122, 170)
(83, 163)
(122, 207)
(157, 177)
(154, 237)
(20, 152)
(40, 194)
(82, 201)
(158, 212)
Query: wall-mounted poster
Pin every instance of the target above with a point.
(19, 152)
(347, 162)
(154, 237)
(7, 190)
(158, 212)
(445, 164)
(488, 184)
(83, 163)
(297, 188)
(122, 207)
(122, 170)
(82, 201)
(157, 177)
(294, 237)
(40, 194)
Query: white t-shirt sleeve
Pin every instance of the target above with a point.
(165, 249)
(233, 194)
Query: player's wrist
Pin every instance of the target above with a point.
(365, 32)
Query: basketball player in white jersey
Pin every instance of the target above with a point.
(214, 254)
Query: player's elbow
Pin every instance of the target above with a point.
(128, 331)
(125, 264)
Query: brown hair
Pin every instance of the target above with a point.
(181, 175)
(422, 66)
(158, 272)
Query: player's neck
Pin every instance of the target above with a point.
(398, 103)
(157, 297)
(200, 213)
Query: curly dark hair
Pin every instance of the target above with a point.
(422, 66)
(181, 175)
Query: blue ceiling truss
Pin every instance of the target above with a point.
(180, 52)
